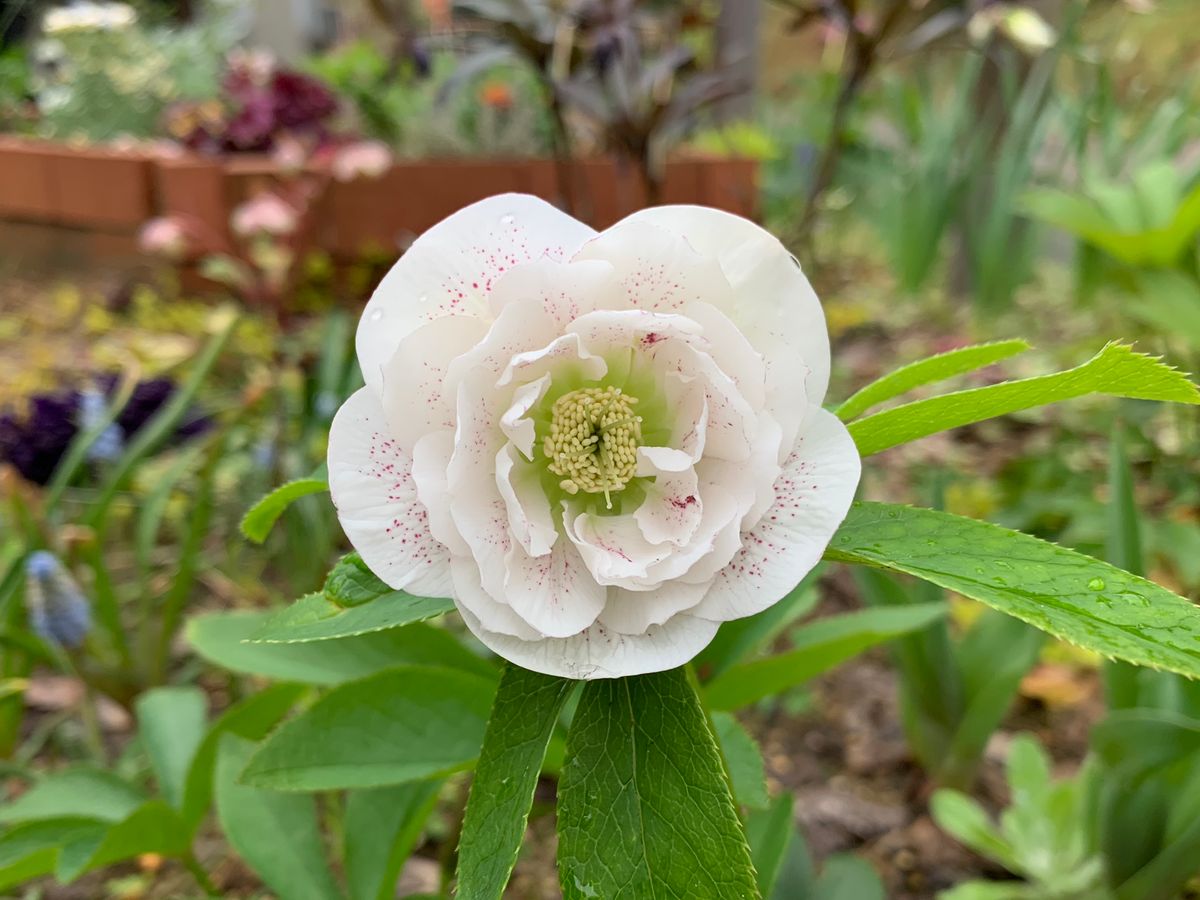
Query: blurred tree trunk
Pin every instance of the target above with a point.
(737, 46)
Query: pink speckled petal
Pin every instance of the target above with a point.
(774, 306)
(632, 612)
(415, 398)
(731, 421)
(672, 509)
(565, 349)
(370, 480)
(451, 269)
(565, 290)
(522, 326)
(612, 547)
(529, 517)
(721, 506)
(600, 652)
(658, 269)
(812, 496)
(641, 329)
(554, 593)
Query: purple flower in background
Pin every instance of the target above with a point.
(36, 442)
(57, 609)
(300, 102)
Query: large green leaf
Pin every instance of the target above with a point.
(1071, 596)
(818, 647)
(223, 638)
(276, 834)
(171, 724)
(928, 371)
(644, 808)
(154, 827)
(252, 719)
(526, 708)
(262, 516)
(315, 618)
(1116, 371)
(381, 828)
(403, 724)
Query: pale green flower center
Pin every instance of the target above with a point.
(593, 440)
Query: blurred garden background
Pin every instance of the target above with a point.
(197, 197)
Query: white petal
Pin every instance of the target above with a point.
(637, 328)
(612, 547)
(730, 350)
(515, 423)
(657, 267)
(476, 604)
(529, 516)
(521, 327)
(554, 593)
(776, 307)
(721, 510)
(370, 480)
(568, 348)
(565, 290)
(812, 496)
(731, 422)
(431, 458)
(672, 508)
(601, 653)
(450, 269)
(415, 398)
(632, 612)
(688, 401)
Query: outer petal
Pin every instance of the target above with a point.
(476, 604)
(812, 496)
(600, 652)
(370, 479)
(450, 269)
(775, 307)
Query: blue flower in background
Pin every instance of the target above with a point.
(57, 609)
(107, 447)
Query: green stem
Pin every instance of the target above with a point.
(197, 872)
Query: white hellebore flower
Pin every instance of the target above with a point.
(602, 446)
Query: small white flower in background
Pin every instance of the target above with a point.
(362, 159)
(88, 16)
(57, 610)
(600, 445)
(266, 213)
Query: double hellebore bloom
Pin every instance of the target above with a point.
(602, 446)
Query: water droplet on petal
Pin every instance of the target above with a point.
(424, 298)
(507, 220)
(1096, 584)
(375, 315)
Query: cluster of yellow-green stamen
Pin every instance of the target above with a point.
(593, 440)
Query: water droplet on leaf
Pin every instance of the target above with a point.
(1096, 584)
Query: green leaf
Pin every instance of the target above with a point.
(736, 639)
(403, 724)
(644, 808)
(928, 371)
(222, 638)
(1071, 596)
(252, 719)
(154, 506)
(770, 833)
(966, 821)
(381, 828)
(154, 827)
(276, 834)
(351, 583)
(744, 759)
(818, 647)
(1116, 371)
(171, 724)
(80, 793)
(1136, 741)
(262, 516)
(523, 717)
(846, 877)
(315, 618)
